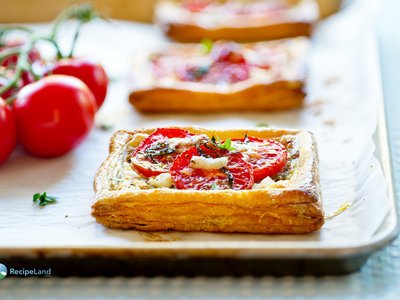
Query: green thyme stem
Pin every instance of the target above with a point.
(22, 65)
(75, 39)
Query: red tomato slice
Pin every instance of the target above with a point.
(267, 157)
(154, 155)
(237, 175)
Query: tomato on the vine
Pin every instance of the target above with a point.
(237, 175)
(90, 72)
(8, 131)
(54, 115)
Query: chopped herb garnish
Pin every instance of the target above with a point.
(105, 127)
(159, 149)
(262, 125)
(43, 199)
(201, 152)
(214, 186)
(206, 45)
(115, 178)
(226, 145)
(229, 175)
(196, 73)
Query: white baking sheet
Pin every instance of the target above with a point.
(341, 110)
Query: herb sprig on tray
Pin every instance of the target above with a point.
(43, 199)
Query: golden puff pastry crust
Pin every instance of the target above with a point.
(183, 25)
(290, 203)
(282, 86)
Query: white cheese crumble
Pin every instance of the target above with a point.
(162, 180)
(265, 183)
(182, 144)
(200, 162)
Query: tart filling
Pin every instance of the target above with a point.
(225, 62)
(177, 159)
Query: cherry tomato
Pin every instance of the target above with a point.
(4, 81)
(8, 131)
(154, 155)
(267, 157)
(237, 175)
(91, 73)
(54, 115)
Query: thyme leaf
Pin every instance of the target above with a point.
(229, 175)
(115, 178)
(214, 186)
(43, 199)
(262, 125)
(105, 126)
(227, 145)
(206, 45)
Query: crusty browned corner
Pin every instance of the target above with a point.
(293, 209)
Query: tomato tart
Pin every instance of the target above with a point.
(193, 179)
(241, 21)
(223, 76)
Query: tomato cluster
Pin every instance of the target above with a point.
(53, 113)
(251, 161)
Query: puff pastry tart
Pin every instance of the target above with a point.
(223, 77)
(241, 21)
(193, 179)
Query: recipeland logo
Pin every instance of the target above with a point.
(23, 272)
(3, 271)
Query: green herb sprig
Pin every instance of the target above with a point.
(214, 186)
(43, 199)
(226, 145)
(206, 45)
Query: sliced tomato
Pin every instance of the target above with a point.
(237, 175)
(268, 157)
(154, 155)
